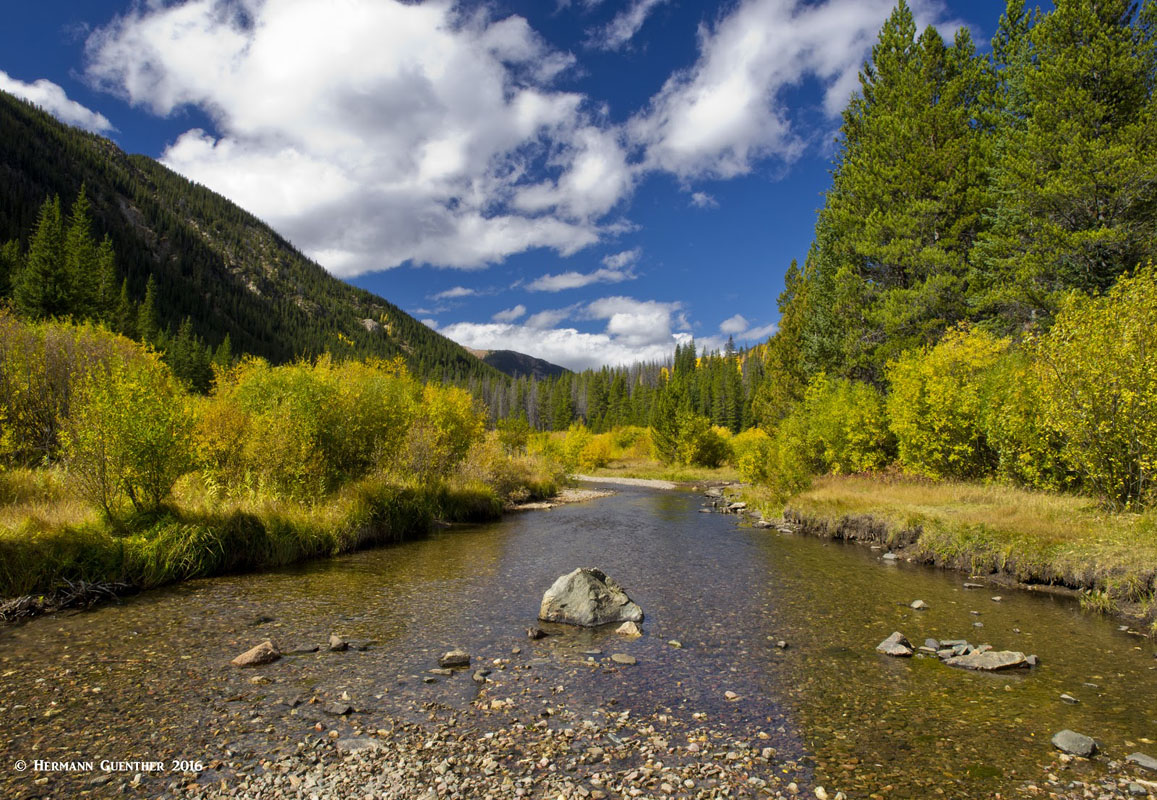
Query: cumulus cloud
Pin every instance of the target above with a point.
(725, 112)
(454, 293)
(510, 314)
(733, 325)
(549, 318)
(415, 132)
(575, 280)
(53, 99)
(703, 200)
(620, 30)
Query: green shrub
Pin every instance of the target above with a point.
(936, 405)
(847, 428)
(697, 443)
(128, 434)
(751, 455)
(1098, 371)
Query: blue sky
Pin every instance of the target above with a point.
(587, 181)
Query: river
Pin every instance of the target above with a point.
(148, 678)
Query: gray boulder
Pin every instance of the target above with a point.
(588, 597)
(1074, 744)
(456, 658)
(895, 645)
(989, 660)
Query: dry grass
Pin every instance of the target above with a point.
(654, 470)
(1032, 536)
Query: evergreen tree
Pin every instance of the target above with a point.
(11, 261)
(124, 318)
(223, 355)
(82, 260)
(105, 301)
(43, 288)
(148, 323)
(1074, 199)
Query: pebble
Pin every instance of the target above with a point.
(337, 644)
(623, 658)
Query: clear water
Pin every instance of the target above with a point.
(149, 677)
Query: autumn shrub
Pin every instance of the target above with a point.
(697, 442)
(751, 455)
(1029, 449)
(936, 405)
(847, 428)
(596, 453)
(1098, 372)
(41, 364)
(128, 434)
(444, 426)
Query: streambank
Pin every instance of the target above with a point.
(71, 567)
(1043, 543)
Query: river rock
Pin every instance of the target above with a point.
(358, 744)
(629, 629)
(895, 645)
(1074, 743)
(588, 597)
(536, 633)
(623, 658)
(919, 605)
(454, 658)
(337, 644)
(264, 653)
(989, 661)
(1143, 761)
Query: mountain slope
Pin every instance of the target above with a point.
(519, 365)
(212, 261)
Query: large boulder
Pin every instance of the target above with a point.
(588, 597)
(1076, 744)
(264, 653)
(895, 645)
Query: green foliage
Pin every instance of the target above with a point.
(936, 405)
(1098, 372)
(128, 434)
(446, 425)
(847, 429)
(751, 455)
(43, 287)
(698, 443)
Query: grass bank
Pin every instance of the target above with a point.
(1029, 537)
(49, 540)
(655, 470)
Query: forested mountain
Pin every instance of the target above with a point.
(209, 262)
(520, 365)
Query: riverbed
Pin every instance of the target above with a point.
(147, 679)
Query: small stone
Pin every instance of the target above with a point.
(1068, 698)
(535, 633)
(337, 644)
(1137, 790)
(623, 658)
(781, 644)
(514, 651)
(428, 679)
(978, 624)
(454, 658)
(264, 653)
(1143, 761)
(356, 744)
(731, 695)
(932, 644)
(997, 599)
(919, 605)
(973, 585)
(1074, 744)
(989, 660)
(891, 557)
(675, 643)
(629, 628)
(441, 671)
(895, 645)
(479, 676)
(1032, 661)
(338, 709)
(821, 793)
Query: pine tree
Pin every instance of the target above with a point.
(11, 261)
(1075, 206)
(223, 355)
(105, 301)
(43, 288)
(148, 323)
(124, 318)
(82, 259)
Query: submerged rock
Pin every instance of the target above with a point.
(895, 645)
(623, 658)
(588, 597)
(454, 658)
(629, 629)
(1143, 761)
(1074, 743)
(264, 653)
(337, 644)
(919, 605)
(989, 660)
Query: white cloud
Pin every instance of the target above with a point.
(703, 200)
(624, 259)
(430, 323)
(549, 318)
(453, 293)
(510, 314)
(733, 325)
(724, 113)
(575, 280)
(412, 132)
(53, 99)
(568, 347)
(624, 26)
(636, 322)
